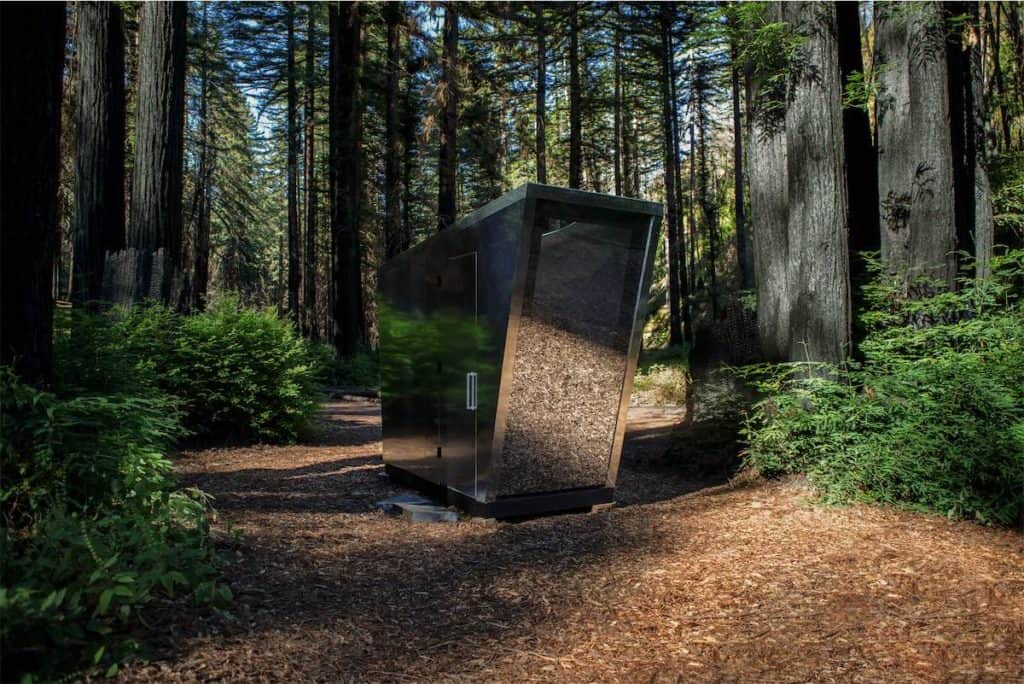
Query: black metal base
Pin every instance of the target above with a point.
(504, 507)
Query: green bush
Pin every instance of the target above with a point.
(362, 369)
(239, 374)
(932, 420)
(92, 525)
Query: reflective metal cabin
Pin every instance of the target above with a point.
(508, 345)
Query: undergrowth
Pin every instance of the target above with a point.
(931, 420)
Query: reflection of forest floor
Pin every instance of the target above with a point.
(743, 582)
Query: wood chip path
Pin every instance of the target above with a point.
(743, 582)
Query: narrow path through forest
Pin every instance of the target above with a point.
(743, 582)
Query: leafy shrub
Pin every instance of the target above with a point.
(1007, 175)
(92, 526)
(362, 369)
(932, 420)
(240, 374)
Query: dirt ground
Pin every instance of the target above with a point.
(742, 582)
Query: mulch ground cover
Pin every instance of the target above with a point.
(681, 581)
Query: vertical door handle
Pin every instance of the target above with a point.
(471, 391)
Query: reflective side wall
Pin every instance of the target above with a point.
(584, 277)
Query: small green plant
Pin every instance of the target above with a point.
(933, 419)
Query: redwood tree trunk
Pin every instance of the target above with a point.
(448, 157)
(151, 266)
(575, 112)
(346, 34)
(99, 167)
(309, 313)
(819, 288)
(393, 143)
(915, 165)
(32, 63)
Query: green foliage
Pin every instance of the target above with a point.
(240, 374)
(770, 49)
(359, 370)
(932, 420)
(1007, 176)
(92, 525)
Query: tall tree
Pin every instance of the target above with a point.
(575, 107)
(151, 266)
(346, 133)
(671, 244)
(769, 193)
(393, 142)
(449, 92)
(743, 261)
(617, 100)
(31, 64)
(309, 317)
(292, 142)
(540, 111)
(201, 261)
(915, 165)
(819, 286)
(99, 222)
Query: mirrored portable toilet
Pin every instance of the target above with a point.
(508, 344)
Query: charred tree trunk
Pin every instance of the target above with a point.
(309, 313)
(292, 132)
(575, 110)
(819, 288)
(675, 336)
(708, 209)
(861, 157)
(150, 267)
(915, 165)
(542, 94)
(742, 257)
(448, 157)
(393, 143)
(32, 64)
(99, 166)
(692, 208)
(201, 266)
(346, 34)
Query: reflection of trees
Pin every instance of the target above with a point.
(427, 355)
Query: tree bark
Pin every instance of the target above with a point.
(448, 156)
(150, 267)
(32, 64)
(817, 230)
(708, 209)
(542, 94)
(99, 222)
(915, 165)
(861, 156)
(346, 34)
(575, 109)
(309, 313)
(393, 144)
(675, 336)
